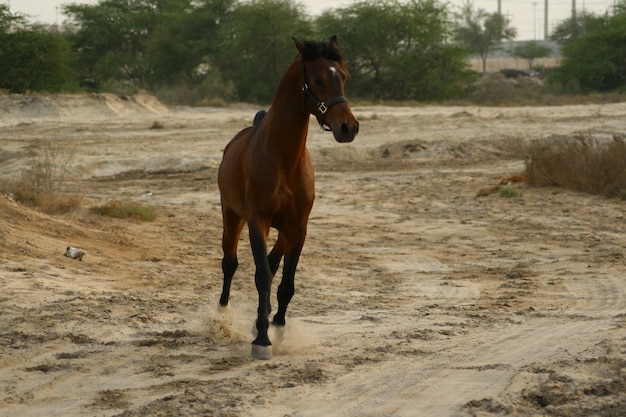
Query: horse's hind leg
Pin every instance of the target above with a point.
(274, 258)
(276, 254)
(233, 225)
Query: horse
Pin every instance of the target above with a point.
(266, 178)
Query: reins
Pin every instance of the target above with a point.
(320, 106)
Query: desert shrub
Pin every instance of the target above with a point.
(40, 185)
(59, 203)
(580, 163)
(48, 202)
(496, 90)
(49, 169)
(121, 210)
(508, 191)
(213, 90)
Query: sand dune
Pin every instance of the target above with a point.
(414, 297)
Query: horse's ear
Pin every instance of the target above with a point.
(299, 44)
(333, 42)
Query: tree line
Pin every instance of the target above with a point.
(190, 50)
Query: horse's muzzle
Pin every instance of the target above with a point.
(346, 132)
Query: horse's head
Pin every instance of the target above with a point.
(323, 77)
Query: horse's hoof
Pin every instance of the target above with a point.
(278, 334)
(223, 309)
(261, 352)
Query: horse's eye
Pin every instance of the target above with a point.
(317, 82)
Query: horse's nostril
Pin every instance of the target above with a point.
(345, 129)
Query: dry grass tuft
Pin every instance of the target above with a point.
(40, 185)
(47, 202)
(120, 210)
(579, 163)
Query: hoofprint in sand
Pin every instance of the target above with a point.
(414, 296)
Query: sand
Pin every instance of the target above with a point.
(414, 296)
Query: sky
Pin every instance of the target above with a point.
(525, 15)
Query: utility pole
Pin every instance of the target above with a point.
(534, 21)
(545, 20)
(500, 7)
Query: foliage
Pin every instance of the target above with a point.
(120, 210)
(257, 47)
(398, 50)
(508, 191)
(480, 32)
(112, 37)
(596, 60)
(195, 51)
(211, 89)
(579, 163)
(10, 20)
(184, 45)
(532, 50)
(32, 58)
(571, 29)
(201, 51)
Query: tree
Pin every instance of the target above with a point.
(9, 20)
(256, 45)
(570, 29)
(184, 45)
(32, 58)
(596, 61)
(480, 32)
(110, 40)
(35, 60)
(113, 37)
(530, 51)
(398, 50)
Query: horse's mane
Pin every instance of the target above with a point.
(314, 50)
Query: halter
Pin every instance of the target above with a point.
(321, 106)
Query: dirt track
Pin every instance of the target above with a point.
(414, 297)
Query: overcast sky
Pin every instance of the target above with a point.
(525, 15)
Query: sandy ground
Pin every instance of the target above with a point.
(414, 297)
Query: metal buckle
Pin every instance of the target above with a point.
(321, 107)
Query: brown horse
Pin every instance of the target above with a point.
(266, 177)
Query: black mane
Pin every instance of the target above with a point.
(314, 50)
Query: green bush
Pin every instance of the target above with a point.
(508, 191)
(595, 60)
(35, 60)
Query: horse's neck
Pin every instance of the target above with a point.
(289, 119)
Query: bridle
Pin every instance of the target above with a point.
(321, 107)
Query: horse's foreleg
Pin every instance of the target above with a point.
(261, 346)
(286, 288)
(230, 238)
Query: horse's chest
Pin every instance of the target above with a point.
(295, 197)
